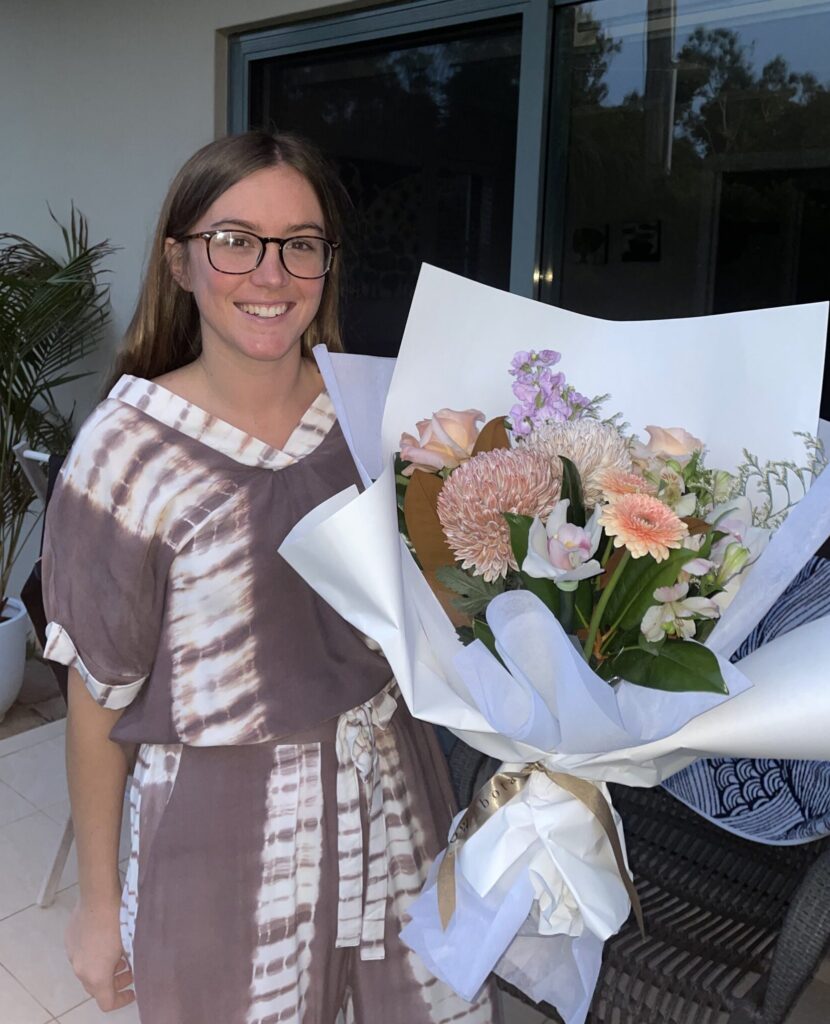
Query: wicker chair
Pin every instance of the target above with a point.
(734, 930)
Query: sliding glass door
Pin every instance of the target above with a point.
(623, 158)
(688, 157)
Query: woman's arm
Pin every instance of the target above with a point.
(97, 770)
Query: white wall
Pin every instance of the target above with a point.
(101, 101)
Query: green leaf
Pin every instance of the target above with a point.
(52, 315)
(545, 590)
(519, 530)
(475, 593)
(634, 593)
(465, 634)
(572, 489)
(584, 603)
(647, 645)
(677, 666)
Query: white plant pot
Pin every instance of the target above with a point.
(14, 629)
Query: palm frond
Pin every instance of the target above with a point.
(52, 314)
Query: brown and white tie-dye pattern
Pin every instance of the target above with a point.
(163, 584)
(285, 807)
(236, 908)
(290, 886)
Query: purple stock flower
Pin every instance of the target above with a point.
(543, 395)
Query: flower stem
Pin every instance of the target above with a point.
(566, 609)
(609, 547)
(588, 646)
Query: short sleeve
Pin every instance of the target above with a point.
(106, 561)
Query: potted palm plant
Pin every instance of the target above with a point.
(52, 314)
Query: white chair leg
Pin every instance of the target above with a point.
(46, 897)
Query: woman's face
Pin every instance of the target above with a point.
(262, 315)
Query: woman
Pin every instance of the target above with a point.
(285, 807)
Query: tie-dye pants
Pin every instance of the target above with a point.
(268, 883)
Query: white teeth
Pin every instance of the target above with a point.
(264, 311)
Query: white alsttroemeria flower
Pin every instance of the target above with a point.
(561, 551)
(676, 614)
(722, 483)
(673, 492)
(734, 518)
(685, 505)
(699, 567)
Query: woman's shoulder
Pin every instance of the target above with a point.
(115, 431)
(128, 463)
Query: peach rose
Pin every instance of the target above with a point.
(443, 442)
(672, 442)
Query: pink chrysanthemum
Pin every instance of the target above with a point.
(616, 482)
(644, 525)
(472, 502)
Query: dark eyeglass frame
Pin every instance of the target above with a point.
(263, 240)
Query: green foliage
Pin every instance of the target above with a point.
(634, 592)
(783, 483)
(52, 314)
(572, 490)
(675, 665)
(474, 592)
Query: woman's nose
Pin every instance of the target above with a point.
(271, 270)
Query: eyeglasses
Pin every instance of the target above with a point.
(240, 252)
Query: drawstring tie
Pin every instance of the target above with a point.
(360, 922)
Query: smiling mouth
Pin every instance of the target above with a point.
(264, 312)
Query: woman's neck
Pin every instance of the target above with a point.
(266, 400)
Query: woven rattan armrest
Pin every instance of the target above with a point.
(802, 944)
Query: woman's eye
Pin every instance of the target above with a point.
(301, 245)
(238, 242)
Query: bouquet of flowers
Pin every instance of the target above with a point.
(566, 598)
(634, 548)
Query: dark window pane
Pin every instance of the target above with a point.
(690, 158)
(423, 130)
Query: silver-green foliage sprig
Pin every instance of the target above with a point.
(778, 477)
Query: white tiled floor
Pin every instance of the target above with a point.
(37, 985)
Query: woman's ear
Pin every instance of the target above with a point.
(174, 253)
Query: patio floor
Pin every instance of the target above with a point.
(37, 985)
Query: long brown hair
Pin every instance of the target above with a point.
(164, 332)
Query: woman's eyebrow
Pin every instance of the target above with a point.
(309, 226)
(248, 226)
(235, 221)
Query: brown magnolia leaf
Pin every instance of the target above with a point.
(696, 526)
(493, 435)
(420, 512)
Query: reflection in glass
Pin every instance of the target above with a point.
(690, 157)
(423, 131)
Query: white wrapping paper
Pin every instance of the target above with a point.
(537, 889)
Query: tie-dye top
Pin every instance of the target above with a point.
(162, 582)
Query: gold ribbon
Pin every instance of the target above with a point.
(494, 794)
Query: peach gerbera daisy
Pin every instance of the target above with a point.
(644, 525)
(616, 482)
(472, 503)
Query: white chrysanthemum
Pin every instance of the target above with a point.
(592, 447)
